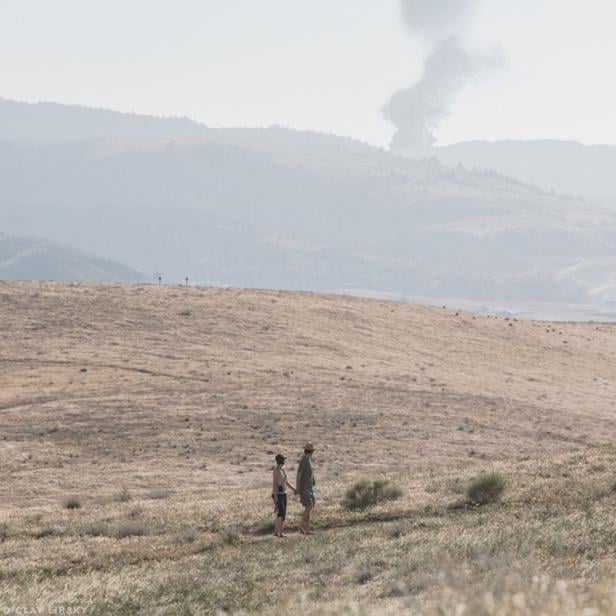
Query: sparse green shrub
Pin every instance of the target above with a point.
(363, 576)
(123, 496)
(72, 503)
(98, 529)
(159, 494)
(136, 512)
(231, 537)
(485, 489)
(365, 493)
(185, 536)
(395, 533)
(131, 529)
(43, 533)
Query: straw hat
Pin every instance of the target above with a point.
(308, 446)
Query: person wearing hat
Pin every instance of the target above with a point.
(279, 494)
(305, 486)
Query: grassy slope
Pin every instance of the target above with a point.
(186, 394)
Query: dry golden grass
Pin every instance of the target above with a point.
(159, 410)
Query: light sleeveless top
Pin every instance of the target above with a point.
(282, 482)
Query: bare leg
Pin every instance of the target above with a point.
(305, 526)
(278, 527)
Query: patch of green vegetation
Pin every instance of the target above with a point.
(72, 503)
(486, 489)
(123, 496)
(131, 529)
(365, 493)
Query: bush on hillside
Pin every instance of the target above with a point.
(97, 529)
(130, 529)
(123, 496)
(485, 489)
(72, 503)
(365, 493)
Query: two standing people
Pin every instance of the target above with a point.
(304, 487)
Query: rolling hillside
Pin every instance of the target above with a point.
(35, 258)
(255, 367)
(565, 167)
(54, 122)
(140, 422)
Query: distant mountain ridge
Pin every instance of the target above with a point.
(24, 258)
(567, 167)
(56, 122)
(279, 208)
(48, 121)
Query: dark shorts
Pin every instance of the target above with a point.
(307, 498)
(281, 506)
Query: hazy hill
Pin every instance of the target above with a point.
(55, 122)
(566, 167)
(297, 210)
(32, 258)
(47, 121)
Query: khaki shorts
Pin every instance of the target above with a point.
(306, 497)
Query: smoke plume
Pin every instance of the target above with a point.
(417, 111)
(436, 18)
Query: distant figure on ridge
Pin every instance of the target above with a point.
(279, 494)
(305, 486)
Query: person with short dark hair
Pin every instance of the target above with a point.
(305, 486)
(279, 494)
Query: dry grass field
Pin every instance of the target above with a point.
(156, 412)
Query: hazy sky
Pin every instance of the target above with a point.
(329, 65)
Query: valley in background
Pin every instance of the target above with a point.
(281, 209)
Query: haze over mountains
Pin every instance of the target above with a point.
(567, 167)
(299, 210)
(31, 258)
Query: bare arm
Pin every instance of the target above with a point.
(298, 481)
(274, 487)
